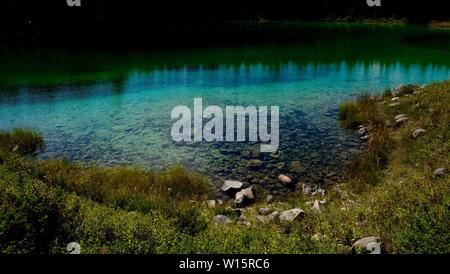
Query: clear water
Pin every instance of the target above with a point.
(114, 108)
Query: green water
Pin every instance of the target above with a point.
(114, 108)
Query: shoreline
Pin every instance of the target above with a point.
(394, 199)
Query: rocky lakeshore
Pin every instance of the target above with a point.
(394, 198)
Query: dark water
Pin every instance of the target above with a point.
(114, 108)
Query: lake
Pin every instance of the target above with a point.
(114, 108)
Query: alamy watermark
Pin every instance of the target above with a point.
(373, 3)
(235, 122)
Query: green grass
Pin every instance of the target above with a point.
(390, 192)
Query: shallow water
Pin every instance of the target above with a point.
(114, 108)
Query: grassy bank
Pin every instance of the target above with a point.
(393, 192)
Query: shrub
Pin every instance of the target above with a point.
(34, 218)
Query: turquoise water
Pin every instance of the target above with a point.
(115, 112)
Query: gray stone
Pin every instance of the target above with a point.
(440, 172)
(221, 219)
(368, 244)
(291, 215)
(269, 198)
(265, 210)
(403, 90)
(211, 203)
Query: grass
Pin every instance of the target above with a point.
(20, 140)
(390, 192)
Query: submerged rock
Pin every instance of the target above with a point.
(255, 164)
(291, 215)
(284, 179)
(297, 167)
(368, 244)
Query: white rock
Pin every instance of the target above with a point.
(284, 179)
(417, 132)
(370, 244)
(211, 203)
(401, 120)
(269, 198)
(399, 116)
(241, 196)
(291, 215)
(395, 99)
(231, 184)
(317, 207)
(306, 190)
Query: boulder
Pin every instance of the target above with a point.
(403, 90)
(371, 245)
(230, 185)
(418, 132)
(243, 196)
(291, 215)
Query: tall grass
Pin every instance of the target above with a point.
(23, 141)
